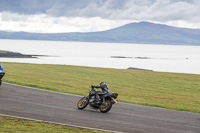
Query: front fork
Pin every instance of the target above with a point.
(85, 98)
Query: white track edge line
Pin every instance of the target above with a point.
(69, 94)
(59, 92)
(62, 124)
(42, 89)
(82, 96)
(52, 91)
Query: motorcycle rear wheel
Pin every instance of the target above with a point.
(107, 107)
(82, 103)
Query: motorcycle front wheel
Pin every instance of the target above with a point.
(105, 108)
(82, 103)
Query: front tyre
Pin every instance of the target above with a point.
(0, 82)
(82, 103)
(107, 107)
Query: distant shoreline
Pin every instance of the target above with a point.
(133, 33)
(8, 54)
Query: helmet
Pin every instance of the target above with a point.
(102, 84)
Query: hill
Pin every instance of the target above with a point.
(143, 32)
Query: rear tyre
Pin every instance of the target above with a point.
(0, 82)
(82, 103)
(107, 107)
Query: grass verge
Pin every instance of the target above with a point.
(167, 90)
(15, 125)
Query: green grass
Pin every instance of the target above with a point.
(158, 89)
(15, 125)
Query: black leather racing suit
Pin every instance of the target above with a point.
(104, 89)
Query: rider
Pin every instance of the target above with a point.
(104, 89)
(1, 73)
(1, 68)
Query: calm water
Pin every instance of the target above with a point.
(165, 58)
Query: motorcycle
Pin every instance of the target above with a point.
(98, 100)
(1, 73)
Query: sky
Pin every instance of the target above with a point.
(58, 16)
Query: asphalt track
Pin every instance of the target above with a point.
(36, 104)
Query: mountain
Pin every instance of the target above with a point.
(140, 33)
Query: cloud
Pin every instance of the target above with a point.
(154, 10)
(160, 10)
(44, 23)
(95, 15)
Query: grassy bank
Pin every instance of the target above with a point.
(166, 90)
(13, 125)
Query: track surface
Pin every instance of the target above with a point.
(61, 108)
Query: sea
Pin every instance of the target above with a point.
(153, 57)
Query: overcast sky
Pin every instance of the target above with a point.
(54, 16)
